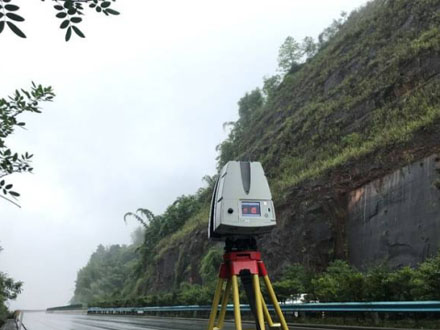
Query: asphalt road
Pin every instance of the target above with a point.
(51, 321)
(55, 321)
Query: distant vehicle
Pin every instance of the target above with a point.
(296, 299)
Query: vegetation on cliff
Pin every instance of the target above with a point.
(340, 282)
(361, 94)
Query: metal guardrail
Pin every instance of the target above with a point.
(383, 306)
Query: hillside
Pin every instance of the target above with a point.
(365, 105)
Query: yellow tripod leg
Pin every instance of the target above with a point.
(221, 318)
(236, 297)
(215, 301)
(275, 303)
(258, 301)
(267, 315)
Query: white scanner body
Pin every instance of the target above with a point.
(241, 203)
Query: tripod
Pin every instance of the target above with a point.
(241, 259)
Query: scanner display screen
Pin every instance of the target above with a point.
(250, 209)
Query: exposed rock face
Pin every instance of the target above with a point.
(309, 232)
(393, 219)
(396, 219)
(181, 263)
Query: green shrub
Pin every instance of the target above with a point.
(426, 281)
(340, 282)
(295, 281)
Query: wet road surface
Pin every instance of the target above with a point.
(54, 321)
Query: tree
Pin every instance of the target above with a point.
(105, 275)
(69, 12)
(293, 53)
(9, 289)
(331, 31)
(309, 47)
(270, 85)
(290, 53)
(140, 215)
(249, 103)
(10, 110)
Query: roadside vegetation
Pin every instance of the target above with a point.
(9, 289)
(340, 282)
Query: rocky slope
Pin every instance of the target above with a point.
(365, 106)
(342, 139)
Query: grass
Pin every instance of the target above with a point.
(399, 132)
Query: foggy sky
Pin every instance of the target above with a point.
(139, 110)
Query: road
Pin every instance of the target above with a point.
(55, 321)
(51, 321)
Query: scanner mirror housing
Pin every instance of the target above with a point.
(241, 203)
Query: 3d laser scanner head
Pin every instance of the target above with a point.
(241, 204)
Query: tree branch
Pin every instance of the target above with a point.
(11, 201)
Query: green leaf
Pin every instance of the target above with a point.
(12, 7)
(2, 26)
(112, 11)
(15, 17)
(61, 15)
(16, 30)
(9, 186)
(105, 4)
(15, 194)
(58, 7)
(76, 19)
(68, 4)
(64, 24)
(68, 33)
(78, 31)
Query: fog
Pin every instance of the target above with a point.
(138, 113)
